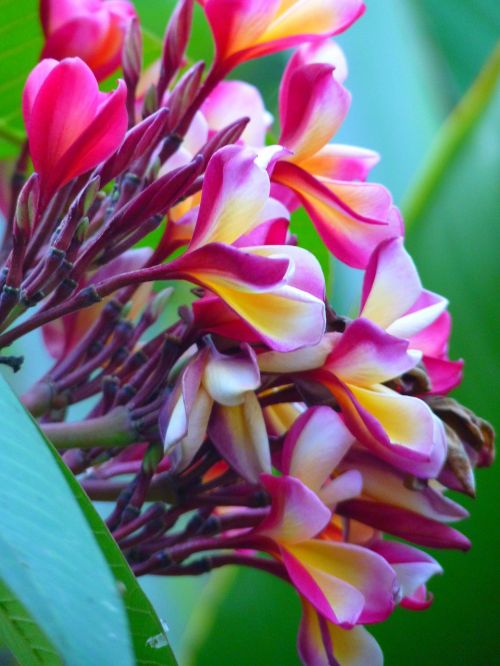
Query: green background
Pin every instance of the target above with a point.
(411, 61)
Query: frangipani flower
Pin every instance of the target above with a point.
(399, 428)
(274, 289)
(346, 583)
(393, 297)
(351, 217)
(217, 392)
(71, 126)
(92, 30)
(246, 29)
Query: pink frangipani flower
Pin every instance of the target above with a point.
(71, 126)
(92, 30)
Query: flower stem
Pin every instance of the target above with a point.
(112, 430)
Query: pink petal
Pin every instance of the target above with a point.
(33, 84)
(312, 110)
(366, 355)
(64, 106)
(100, 139)
(307, 358)
(296, 511)
(399, 429)
(383, 483)
(245, 29)
(352, 219)
(404, 524)
(184, 419)
(239, 434)
(413, 567)
(232, 100)
(236, 24)
(92, 30)
(391, 285)
(346, 486)
(235, 191)
(444, 375)
(320, 51)
(423, 313)
(314, 446)
(228, 378)
(349, 647)
(347, 584)
(339, 162)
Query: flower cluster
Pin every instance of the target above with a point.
(296, 441)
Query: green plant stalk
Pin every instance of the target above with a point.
(113, 429)
(452, 136)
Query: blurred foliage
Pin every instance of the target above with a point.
(20, 45)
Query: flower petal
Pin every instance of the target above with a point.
(228, 378)
(235, 191)
(366, 355)
(99, 140)
(413, 567)
(391, 285)
(312, 110)
(404, 524)
(399, 429)
(239, 434)
(64, 106)
(382, 483)
(307, 358)
(349, 647)
(340, 162)
(351, 218)
(347, 584)
(314, 446)
(343, 487)
(232, 100)
(296, 512)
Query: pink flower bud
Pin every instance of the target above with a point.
(176, 39)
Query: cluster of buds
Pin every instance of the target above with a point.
(241, 421)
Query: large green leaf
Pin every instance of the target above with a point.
(20, 44)
(147, 632)
(18, 630)
(51, 563)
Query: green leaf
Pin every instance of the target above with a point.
(147, 633)
(50, 560)
(19, 631)
(20, 45)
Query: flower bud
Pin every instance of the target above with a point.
(27, 205)
(132, 54)
(175, 42)
(184, 94)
